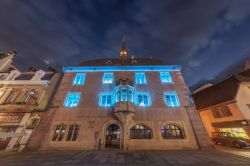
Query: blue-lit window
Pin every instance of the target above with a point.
(131, 95)
(171, 99)
(143, 100)
(165, 77)
(108, 78)
(72, 99)
(140, 78)
(105, 100)
(79, 79)
(124, 95)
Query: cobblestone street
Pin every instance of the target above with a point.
(122, 158)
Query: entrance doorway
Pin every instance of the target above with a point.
(112, 139)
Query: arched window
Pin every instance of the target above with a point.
(172, 132)
(140, 132)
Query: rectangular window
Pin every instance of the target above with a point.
(143, 100)
(165, 77)
(28, 94)
(11, 97)
(140, 78)
(171, 99)
(107, 78)
(79, 79)
(59, 132)
(225, 111)
(124, 96)
(72, 99)
(216, 113)
(105, 100)
(73, 132)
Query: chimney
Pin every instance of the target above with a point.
(32, 69)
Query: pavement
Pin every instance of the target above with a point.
(124, 158)
(245, 152)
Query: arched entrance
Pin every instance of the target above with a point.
(112, 136)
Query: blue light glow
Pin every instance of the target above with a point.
(121, 68)
(171, 99)
(79, 79)
(143, 99)
(165, 77)
(140, 78)
(124, 93)
(108, 78)
(72, 99)
(106, 99)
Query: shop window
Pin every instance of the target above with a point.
(165, 77)
(172, 132)
(171, 99)
(59, 132)
(79, 79)
(108, 78)
(140, 132)
(140, 78)
(143, 100)
(72, 99)
(105, 100)
(73, 133)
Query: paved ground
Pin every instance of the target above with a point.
(122, 158)
(245, 152)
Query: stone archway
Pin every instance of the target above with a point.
(112, 136)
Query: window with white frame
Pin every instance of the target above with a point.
(105, 100)
(143, 99)
(140, 78)
(72, 99)
(171, 99)
(11, 97)
(73, 132)
(165, 77)
(79, 79)
(28, 94)
(108, 78)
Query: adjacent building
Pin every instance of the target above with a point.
(127, 103)
(24, 97)
(225, 106)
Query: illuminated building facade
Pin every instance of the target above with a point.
(24, 96)
(123, 103)
(225, 106)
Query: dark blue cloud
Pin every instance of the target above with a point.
(205, 37)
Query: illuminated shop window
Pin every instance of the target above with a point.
(143, 99)
(171, 99)
(105, 100)
(165, 77)
(234, 132)
(72, 99)
(59, 132)
(140, 78)
(73, 132)
(140, 132)
(172, 132)
(79, 79)
(108, 78)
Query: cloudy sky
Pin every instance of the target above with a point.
(206, 37)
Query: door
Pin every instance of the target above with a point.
(112, 137)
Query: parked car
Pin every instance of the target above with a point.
(227, 138)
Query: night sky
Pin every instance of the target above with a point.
(206, 37)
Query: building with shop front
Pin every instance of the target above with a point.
(127, 103)
(24, 97)
(225, 106)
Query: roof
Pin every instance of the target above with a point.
(25, 76)
(6, 54)
(221, 92)
(122, 62)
